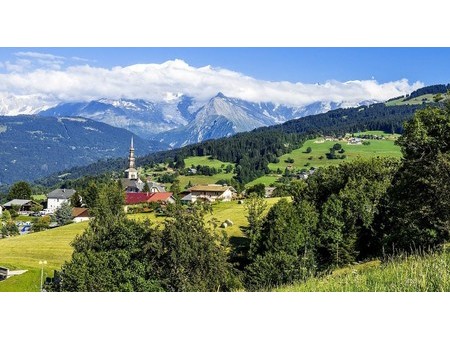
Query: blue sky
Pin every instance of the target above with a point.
(307, 65)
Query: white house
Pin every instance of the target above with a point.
(58, 197)
(210, 192)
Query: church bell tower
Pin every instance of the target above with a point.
(131, 172)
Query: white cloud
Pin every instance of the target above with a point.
(39, 55)
(162, 81)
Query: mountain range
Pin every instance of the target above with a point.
(182, 120)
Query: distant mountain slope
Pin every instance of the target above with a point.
(224, 116)
(35, 146)
(141, 117)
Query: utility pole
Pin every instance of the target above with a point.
(42, 263)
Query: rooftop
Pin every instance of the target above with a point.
(61, 193)
(209, 188)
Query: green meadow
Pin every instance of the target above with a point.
(320, 147)
(24, 253)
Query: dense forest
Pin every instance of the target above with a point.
(253, 151)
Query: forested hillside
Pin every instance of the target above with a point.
(253, 151)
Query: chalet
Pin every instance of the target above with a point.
(25, 206)
(58, 197)
(80, 215)
(354, 141)
(210, 193)
(268, 191)
(192, 171)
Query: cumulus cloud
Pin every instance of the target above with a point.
(164, 81)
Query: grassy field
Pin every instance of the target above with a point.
(414, 273)
(266, 180)
(24, 253)
(204, 160)
(381, 148)
(416, 100)
(202, 179)
(221, 212)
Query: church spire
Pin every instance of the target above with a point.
(131, 158)
(131, 172)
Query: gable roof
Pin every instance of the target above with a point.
(80, 212)
(61, 193)
(209, 188)
(146, 197)
(18, 202)
(160, 196)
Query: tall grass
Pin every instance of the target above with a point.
(405, 273)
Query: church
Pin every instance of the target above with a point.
(131, 182)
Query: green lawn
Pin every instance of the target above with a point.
(381, 148)
(24, 253)
(204, 160)
(266, 180)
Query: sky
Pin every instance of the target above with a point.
(291, 76)
(308, 65)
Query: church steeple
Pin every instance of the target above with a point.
(131, 158)
(131, 172)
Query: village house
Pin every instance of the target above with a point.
(268, 191)
(135, 198)
(155, 187)
(25, 206)
(210, 193)
(58, 197)
(80, 215)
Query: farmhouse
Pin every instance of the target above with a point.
(25, 206)
(58, 197)
(210, 193)
(80, 215)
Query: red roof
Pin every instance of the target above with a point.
(145, 197)
(160, 196)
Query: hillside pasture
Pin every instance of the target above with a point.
(24, 253)
(320, 147)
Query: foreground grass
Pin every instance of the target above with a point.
(24, 253)
(415, 273)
